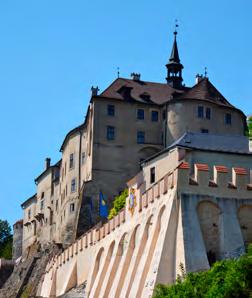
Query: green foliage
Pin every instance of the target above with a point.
(228, 278)
(5, 240)
(118, 203)
(249, 123)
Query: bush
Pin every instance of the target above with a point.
(118, 203)
(228, 278)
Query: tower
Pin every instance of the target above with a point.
(174, 67)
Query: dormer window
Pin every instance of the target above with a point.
(145, 96)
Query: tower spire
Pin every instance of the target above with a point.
(174, 67)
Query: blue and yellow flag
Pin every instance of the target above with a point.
(103, 206)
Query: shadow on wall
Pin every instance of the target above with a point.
(209, 219)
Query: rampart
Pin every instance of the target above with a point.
(192, 216)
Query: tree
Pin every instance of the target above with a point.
(5, 240)
(118, 203)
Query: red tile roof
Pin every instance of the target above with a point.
(158, 93)
(205, 90)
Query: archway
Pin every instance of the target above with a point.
(209, 220)
(245, 220)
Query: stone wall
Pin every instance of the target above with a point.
(17, 239)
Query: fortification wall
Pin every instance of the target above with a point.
(183, 219)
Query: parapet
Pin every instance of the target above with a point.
(218, 176)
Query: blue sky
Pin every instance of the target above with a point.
(52, 52)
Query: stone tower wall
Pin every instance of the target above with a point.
(17, 239)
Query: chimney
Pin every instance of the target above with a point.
(94, 90)
(47, 163)
(135, 76)
(199, 78)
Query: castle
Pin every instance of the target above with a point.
(183, 154)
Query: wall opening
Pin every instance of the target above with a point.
(245, 220)
(209, 219)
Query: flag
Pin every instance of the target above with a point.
(103, 206)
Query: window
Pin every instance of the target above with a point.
(164, 115)
(228, 119)
(29, 214)
(152, 175)
(57, 205)
(111, 110)
(140, 137)
(154, 116)
(110, 133)
(140, 114)
(208, 113)
(203, 130)
(73, 185)
(41, 205)
(71, 161)
(42, 195)
(82, 158)
(200, 112)
(72, 207)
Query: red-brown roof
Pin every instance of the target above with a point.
(205, 90)
(140, 90)
(159, 93)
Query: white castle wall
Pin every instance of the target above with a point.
(130, 254)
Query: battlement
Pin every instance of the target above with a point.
(218, 176)
(95, 235)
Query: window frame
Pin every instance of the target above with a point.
(73, 185)
(111, 110)
(154, 119)
(228, 118)
(72, 207)
(138, 114)
(152, 175)
(142, 133)
(110, 133)
(200, 112)
(204, 130)
(208, 113)
(71, 161)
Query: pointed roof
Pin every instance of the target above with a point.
(174, 58)
(205, 90)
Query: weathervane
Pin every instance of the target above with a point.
(176, 26)
(205, 73)
(118, 72)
